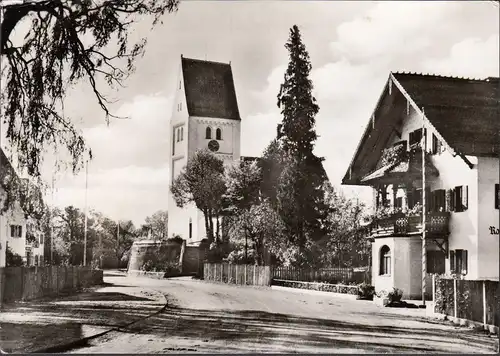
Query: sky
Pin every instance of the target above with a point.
(353, 47)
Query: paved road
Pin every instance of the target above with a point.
(204, 317)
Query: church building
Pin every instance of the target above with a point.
(205, 116)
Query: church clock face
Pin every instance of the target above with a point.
(213, 146)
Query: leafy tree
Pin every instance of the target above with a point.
(300, 193)
(202, 182)
(263, 228)
(345, 244)
(69, 41)
(243, 186)
(158, 223)
(243, 192)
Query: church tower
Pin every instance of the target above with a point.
(205, 116)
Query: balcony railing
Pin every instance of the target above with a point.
(401, 224)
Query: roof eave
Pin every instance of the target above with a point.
(427, 122)
(365, 133)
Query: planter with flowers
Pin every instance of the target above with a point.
(385, 298)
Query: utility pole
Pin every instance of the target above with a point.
(117, 236)
(424, 233)
(52, 225)
(85, 231)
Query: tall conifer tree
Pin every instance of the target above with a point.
(301, 196)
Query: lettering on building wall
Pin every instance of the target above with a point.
(494, 230)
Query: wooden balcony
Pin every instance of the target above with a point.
(403, 225)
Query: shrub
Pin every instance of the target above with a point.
(158, 262)
(176, 239)
(395, 295)
(366, 291)
(13, 259)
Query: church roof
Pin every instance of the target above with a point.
(209, 89)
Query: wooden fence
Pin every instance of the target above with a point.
(322, 275)
(476, 301)
(237, 274)
(27, 283)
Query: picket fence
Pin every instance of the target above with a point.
(322, 275)
(237, 274)
(476, 301)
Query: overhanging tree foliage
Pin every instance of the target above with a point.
(68, 41)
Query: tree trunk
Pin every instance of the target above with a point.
(211, 226)
(207, 225)
(217, 234)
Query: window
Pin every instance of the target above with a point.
(415, 137)
(182, 133)
(385, 260)
(41, 240)
(461, 198)
(218, 134)
(497, 196)
(208, 133)
(179, 85)
(437, 145)
(438, 200)
(458, 262)
(416, 198)
(190, 229)
(173, 142)
(398, 203)
(180, 106)
(16, 231)
(178, 134)
(435, 262)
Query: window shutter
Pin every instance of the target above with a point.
(432, 206)
(459, 198)
(428, 199)
(452, 261)
(442, 202)
(450, 200)
(465, 197)
(409, 197)
(497, 195)
(464, 262)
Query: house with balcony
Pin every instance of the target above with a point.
(430, 153)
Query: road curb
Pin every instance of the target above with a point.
(84, 341)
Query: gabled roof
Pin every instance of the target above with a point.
(464, 112)
(5, 165)
(209, 89)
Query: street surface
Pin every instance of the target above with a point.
(204, 317)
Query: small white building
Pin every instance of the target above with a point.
(205, 116)
(14, 225)
(456, 121)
